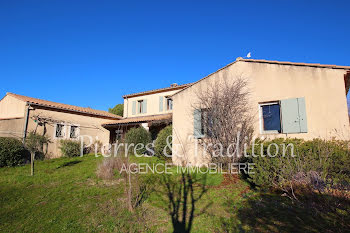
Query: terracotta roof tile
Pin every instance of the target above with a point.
(141, 119)
(66, 107)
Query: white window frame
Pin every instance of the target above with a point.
(167, 106)
(261, 118)
(63, 130)
(140, 107)
(77, 131)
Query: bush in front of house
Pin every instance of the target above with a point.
(318, 164)
(12, 152)
(70, 148)
(108, 167)
(137, 140)
(161, 147)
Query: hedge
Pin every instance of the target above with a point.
(12, 152)
(70, 148)
(320, 161)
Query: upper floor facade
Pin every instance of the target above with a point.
(153, 102)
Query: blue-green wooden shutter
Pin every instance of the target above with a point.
(161, 103)
(133, 107)
(293, 114)
(302, 115)
(144, 109)
(197, 123)
(290, 116)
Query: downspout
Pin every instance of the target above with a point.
(26, 122)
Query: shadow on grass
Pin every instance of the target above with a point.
(68, 164)
(183, 193)
(276, 213)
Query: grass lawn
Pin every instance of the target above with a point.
(66, 196)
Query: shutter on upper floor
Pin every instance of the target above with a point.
(161, 103)
(302, 115)
(144, 109)
(293, 115)
(133, 107)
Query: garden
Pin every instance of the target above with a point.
(306, 193)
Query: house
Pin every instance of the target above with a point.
(302, 100)
(150, 109)
(21, 114)
(306, 100)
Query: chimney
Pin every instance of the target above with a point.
(174, 85)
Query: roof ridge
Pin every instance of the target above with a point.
(158, 89)
(270, 62)
(293, 63)
(63, 106)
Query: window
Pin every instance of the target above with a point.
(169, 103)
(271, 117)
(284, 116)
(203, 123)
(74, 131)
(59, 130)
(140, 106)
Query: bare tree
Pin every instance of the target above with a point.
(226, 119)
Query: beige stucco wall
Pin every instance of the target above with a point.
(152, 104)
(12, 128)
(12, 113)
(11, 107)
(90, 126)
(323, 89)
(15, 109)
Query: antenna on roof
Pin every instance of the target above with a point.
(249, 55)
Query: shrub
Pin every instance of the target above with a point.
(136, 187)
(317, 163)
(96, 147)
(70, 148)
(161, 142)
(138, 138)
(106, 169)
(12, 152)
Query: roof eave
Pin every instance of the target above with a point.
(156, 91)
(71, 110)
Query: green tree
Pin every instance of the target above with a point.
(117, 110)
(34, 144)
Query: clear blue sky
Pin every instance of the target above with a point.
(90, 53)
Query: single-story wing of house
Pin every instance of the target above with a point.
(22, 114)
